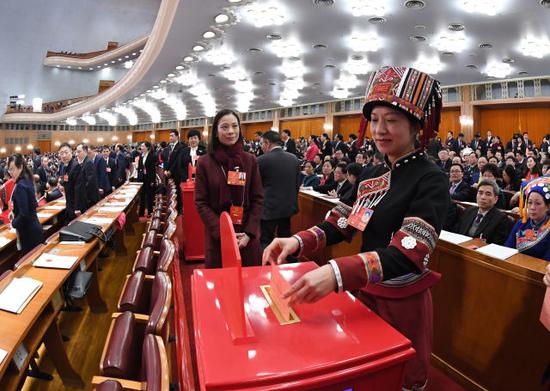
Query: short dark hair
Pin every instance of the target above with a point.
(19, 162)
(272, 136)
(213, 141)
(193, 133)
(287, 132)
(339, 136)
(457, 165)
(343, 166)
(175, 132)
(353, 136)
(84, 147)
(492, 168)
(491, 183)
(325, 135)
(355, 169)
(52, 181)
(64, 145)
(147, 145)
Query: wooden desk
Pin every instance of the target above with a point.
(487, 333)
(9, 253)
(37, 322)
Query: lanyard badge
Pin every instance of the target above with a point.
(236, 213)
(360, 215)
(236, 178)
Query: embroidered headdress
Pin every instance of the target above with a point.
(415, 93)
(539, 185)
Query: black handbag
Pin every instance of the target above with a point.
(79, 231)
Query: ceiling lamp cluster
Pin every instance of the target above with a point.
(450, 41)
(177, 106)
(364, 42)
(358, 65)
(220, 55)
(265, 14)
(150, 108)
(128, 113)
(430, 65)
(498, 69)
(535, 47)
(71, 121)
(286, 48)
(366, 7)
(344, 84)
(89, 119)
(109, 117)
(485, 7)
(291, 91)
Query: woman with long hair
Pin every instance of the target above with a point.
(24, 219)
(228, 180)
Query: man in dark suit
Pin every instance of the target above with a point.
(83, 176)
(485, 221)
(53, 192)
(147, 174)
(280, 173)
(191, 153)
(289, 145)
(478, 144)
(42, 171)
(326, 145)
(172, 168)
(65, 180)
(339, 144)
(110, 167)
(121, 165)
(444, 162)
(36, 160)
(339, 186)
(458, 189)
(100, 166)
(353, 149)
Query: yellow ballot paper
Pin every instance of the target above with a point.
(545, 311)
(279, 285)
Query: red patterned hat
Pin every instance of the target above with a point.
(415, 93)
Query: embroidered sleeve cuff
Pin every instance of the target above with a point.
(311, 240)
(336, 270)
(359, 270)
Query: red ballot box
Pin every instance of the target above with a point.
(193, 227)
(243, 343)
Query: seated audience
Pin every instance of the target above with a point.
(485, 221)
(327, 176)
(340, 184)
(530, 234)
(533, 169)
(510, 179)
(53, 192)
(310, 178)
(312, 149)
(458, 189)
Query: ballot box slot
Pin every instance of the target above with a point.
(266, 290)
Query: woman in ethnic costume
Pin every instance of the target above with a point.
(530, 235)
(399, 206)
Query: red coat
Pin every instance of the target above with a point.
(208, 180)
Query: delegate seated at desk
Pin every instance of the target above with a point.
(530, 235)
(485, 221)
(340, 186)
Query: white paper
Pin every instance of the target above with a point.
(4, 241)
(54, 207)
(99, 220)
(496, 251)
(3, 355)
(451, 237)
(12, 230)
(69, 243)
(18, 293)
(54, 261)
(117, 203)
(43, 215)
(110, 209)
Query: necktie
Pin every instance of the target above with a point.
(475, 224)
(453, 188)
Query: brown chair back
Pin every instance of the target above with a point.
(154, 364)
(161, 299)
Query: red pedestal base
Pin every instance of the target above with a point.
(192, 224)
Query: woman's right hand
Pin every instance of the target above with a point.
(279, 249)
(546, 278)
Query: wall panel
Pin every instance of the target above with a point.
(504, 122)
(303, 127)
(450, 120)
(347, 124)
(250, 129)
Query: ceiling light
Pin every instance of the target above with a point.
(366, 7)
(109, 117)
(171, 75)
(186, 79)
(234, 1)
(339, 93)
(485, 45)
(414, 4)
(209, 35)
(189, 59)
(498, 69)
(456, 27)
(163, 81)
(364, 42)
(254, 50)
(91, 69)
(523, 73)
(18, 148)
(377, 20)
(486, 7)
(150, 108)
(126, 56)
(128, 64)
(177, 106)
(535, 47)
(346, 81)
(319, 46)
(179, 67)
(159, 94)
(286, 48)
(471, 66)
(243, 86)
(221, 55)
(89, 119)
(85, 141)
(235, 73)
(265, 14)
(450, 41)
(71, 121)
(112, 62)
(292, 68)
(221, 18)
(198, 48)
(133, 54)
(273, 37)
(357, 66)
(417, 38)
(128, 113)
(114, 138)
(428, 65)
(99, 66)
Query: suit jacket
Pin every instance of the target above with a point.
(186, 160)
(445, 166)
(174, 162)
(67, 181)
(345, 188)
(121, 164)
(341, 146)
(495, 226)
(110, 170)
(326, 149)
(41, 172)
(101, 173)
(25, 220)
(53, 195)
(147, 170)
(84, 180)
(290, 146)
(280, 173)
(462, 192)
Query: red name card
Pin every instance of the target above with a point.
(279, 285)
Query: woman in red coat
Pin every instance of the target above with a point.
(228, 179)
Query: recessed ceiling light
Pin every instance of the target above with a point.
(179, 68)
(198, 48)
(456, 27)
(99, 66)
(234, 1)
(254, 50)
(330, 66)
(171, 75)
(273, 37)
(325, 3)
(417, 38)
(57, 66)
(112, 62)
(189, 59)
(377, 20)
(211, 75)
(208, 34)
(523, 73)
(508, 60)
(420, 27)
(272, 84)
(545, 3)
(133, 54)
(221, 18)
(106, 64)
(448, 54)
(471, 66)
(415, 4)
(258, 73)
(126, 56)
(485, 45)
(319, 46)
(91, 69)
